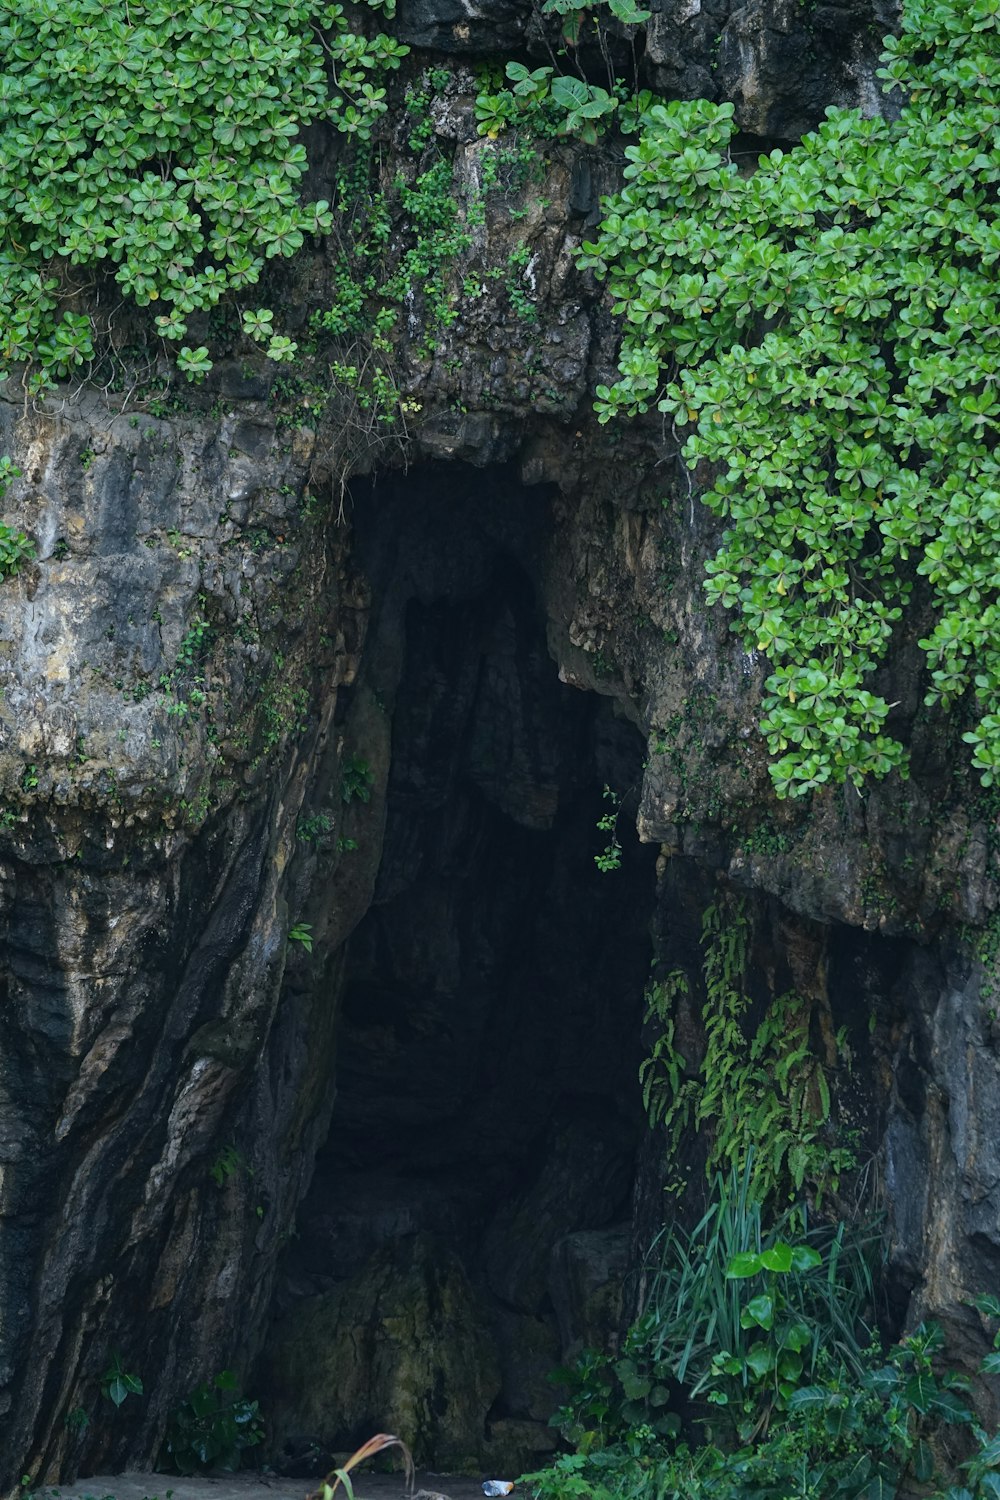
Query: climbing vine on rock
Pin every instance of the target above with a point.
(825, 334)
(16, 547)
(158, 139)
(764, 1097)
(390, 258)
(550, 101)
(575, 14)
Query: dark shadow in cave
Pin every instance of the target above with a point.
(481, 1157)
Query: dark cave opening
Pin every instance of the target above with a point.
(468, 1224)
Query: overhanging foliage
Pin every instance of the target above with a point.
(826, 333)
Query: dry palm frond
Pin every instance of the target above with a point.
(340, 1478)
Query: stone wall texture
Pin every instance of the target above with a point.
(215, 637)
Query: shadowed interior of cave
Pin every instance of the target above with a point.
(469, 1217)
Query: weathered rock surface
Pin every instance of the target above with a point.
(211, 640)
(456, 26)
(587, 1282)
(779, 62)
(402, 1348)
(146, 939)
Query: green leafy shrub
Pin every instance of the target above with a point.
(824, 333)
(228, 1163)
(812, 1423)
(592, 1415)
(76, 1420)
(118, 1384)
(310, 829)
(735, 1318)
(302, 933)
(860, 1436)
(16, 547)
(356, 780)
(213, 1427)
(158, 138)
(548, 104)
(727, 1301)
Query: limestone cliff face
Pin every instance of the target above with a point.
(146, 884)
(205, 673)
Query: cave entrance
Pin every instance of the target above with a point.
(468, 1224)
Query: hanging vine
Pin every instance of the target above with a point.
(763, 1096)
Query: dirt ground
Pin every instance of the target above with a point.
(257, 1487)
